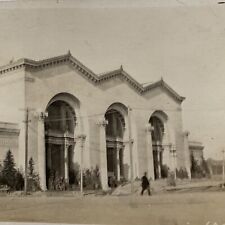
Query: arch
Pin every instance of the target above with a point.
(59, 139)
(158, 129)
(116, 115)
(67, 97)
(116, 123)
(120, 107)
(158, 121)
(161, 115)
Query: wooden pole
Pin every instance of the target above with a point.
(82, 140)
(26, 121)
(131, 150)
(26, 149)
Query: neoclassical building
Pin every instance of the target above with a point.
(101, 120)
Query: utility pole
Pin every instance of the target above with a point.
(26, 121)
(131, 141)
(174, 163)
(223, 151)
(82, 140)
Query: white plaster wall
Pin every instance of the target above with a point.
(94, 101)
(12, 103)
(8, 142)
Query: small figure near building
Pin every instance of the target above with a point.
(145, 184)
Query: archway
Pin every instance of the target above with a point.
(157, 135)
(114, 142)
(59, 141)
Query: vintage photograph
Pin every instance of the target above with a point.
(112, 112)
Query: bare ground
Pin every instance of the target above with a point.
(160, 209)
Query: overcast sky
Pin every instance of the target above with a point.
(183, 43)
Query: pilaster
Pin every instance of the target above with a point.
(103, 154)
(150, 163)
(187, 157)
(41, 153)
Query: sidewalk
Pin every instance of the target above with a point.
(161, 186)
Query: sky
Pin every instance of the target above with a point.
(181, 41)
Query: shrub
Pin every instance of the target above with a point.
(33, 182)
(199, 171)
(91, 178)
(182, 173)
(171, 179)
(123, 181)
(19, 181)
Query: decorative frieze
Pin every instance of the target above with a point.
(9, 142)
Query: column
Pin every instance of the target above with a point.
(118, 163)
(158, 160)
(149, 151)
(41, 153)
(121, 163)
(171, 156)
(173, 159)
(103, 155)
(166, 155)
(187, 158)
(66, 159)
(81, 138)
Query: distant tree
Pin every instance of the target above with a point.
(199, 170)
(205, 167)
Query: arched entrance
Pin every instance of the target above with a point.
(157, 144)
(114, 144)
(59, 140)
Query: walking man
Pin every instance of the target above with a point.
(145, 184)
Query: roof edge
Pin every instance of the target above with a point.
(98, 79)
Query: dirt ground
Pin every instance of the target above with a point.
(199, 208)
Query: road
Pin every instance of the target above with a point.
(200, 208)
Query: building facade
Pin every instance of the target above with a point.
(78, 117)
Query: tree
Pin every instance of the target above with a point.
(205, 167)
(8, 170)
(199, 170)
(31, 167)
(33, 178)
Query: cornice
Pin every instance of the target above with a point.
(9, 131)
(29, 64)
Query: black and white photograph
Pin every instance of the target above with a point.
(112, 112)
